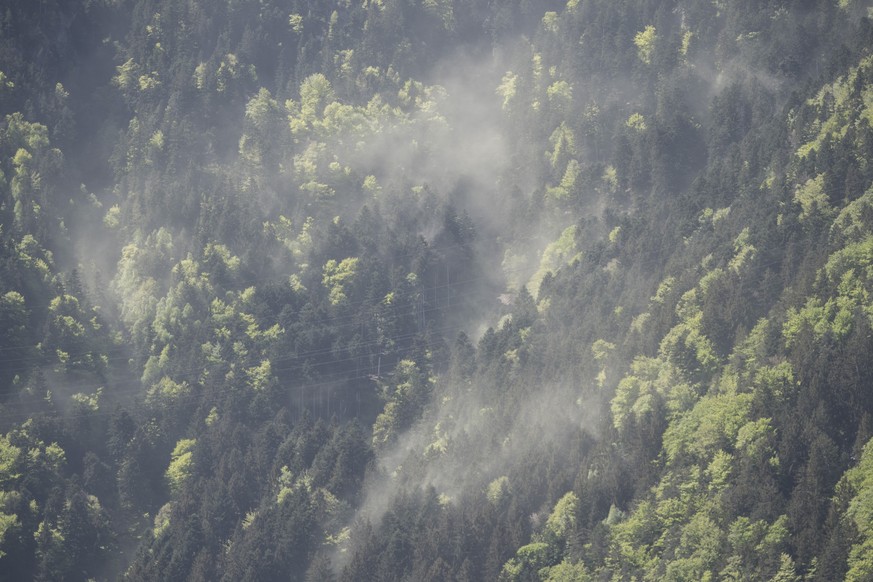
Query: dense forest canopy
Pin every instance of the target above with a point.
(436, 290)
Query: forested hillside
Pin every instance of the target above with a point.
(436, 290)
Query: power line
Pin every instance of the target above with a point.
(334, 321)
(301, 358)
(298, 359)
(6, 414)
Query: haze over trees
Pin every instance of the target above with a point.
(436, 290)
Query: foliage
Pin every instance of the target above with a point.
(451, 290)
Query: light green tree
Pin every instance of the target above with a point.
(645, 41)
(337, 276)
(405, 396)
(181, 464)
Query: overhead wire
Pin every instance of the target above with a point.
(332, 321)
(7, 414)
(253, 280)
(301, 358)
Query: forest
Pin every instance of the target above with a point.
(436, 290)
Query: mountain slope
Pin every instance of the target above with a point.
(438, 290)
